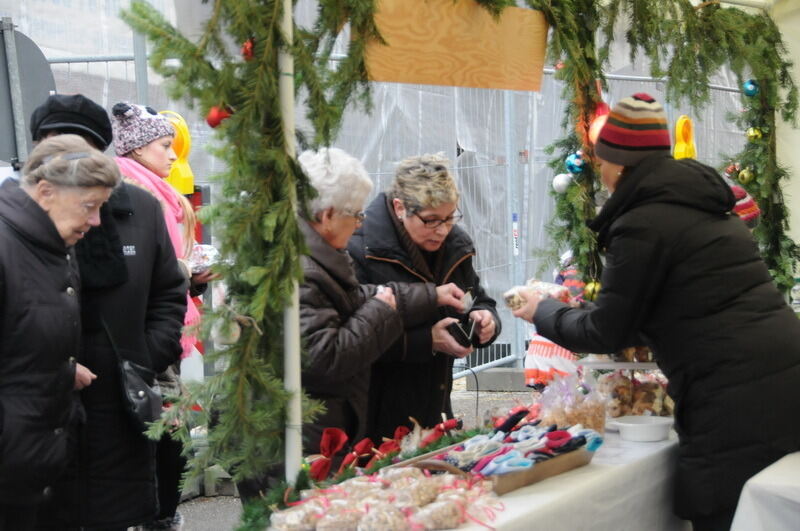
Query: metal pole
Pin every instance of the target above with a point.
(140, 67)
(291, 315)
(15, 84)
(512, 197)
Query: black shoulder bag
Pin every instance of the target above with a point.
(140, 393)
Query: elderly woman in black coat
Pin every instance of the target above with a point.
(684, 276)
(347, 326)
(57, 201)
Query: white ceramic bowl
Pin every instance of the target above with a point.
(643, 429)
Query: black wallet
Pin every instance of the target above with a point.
(463, 331)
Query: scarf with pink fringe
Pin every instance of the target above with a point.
(173, 215)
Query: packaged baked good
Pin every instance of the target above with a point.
(302, 517)
(439, 515)
(515, 301)
(203, 257)
(383, 516)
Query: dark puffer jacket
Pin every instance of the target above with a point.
(39, 343)
(410, 379)
(132, 283)
(345, 329)
(685, 277)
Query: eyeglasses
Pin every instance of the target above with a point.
(360, 215)
(436, 222)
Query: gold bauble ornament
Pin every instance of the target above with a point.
(591, 290)
(753, 134)
(745, 176)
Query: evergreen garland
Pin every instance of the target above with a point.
(687, 45)
(574, 24)
(255, 217)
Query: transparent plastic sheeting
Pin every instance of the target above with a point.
(502, 171)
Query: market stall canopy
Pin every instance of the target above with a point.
(441, 42)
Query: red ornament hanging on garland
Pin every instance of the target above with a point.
(216, 115)
(248, 48)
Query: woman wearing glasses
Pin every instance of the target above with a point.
(345, 326)
(409, 235)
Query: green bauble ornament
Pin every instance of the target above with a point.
(753, 134)
(745, 176)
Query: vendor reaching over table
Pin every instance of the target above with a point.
(410, 235)
(684, 276)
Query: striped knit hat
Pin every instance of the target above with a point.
(636, 129)
(745, 207)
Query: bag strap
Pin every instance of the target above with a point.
(111, 340)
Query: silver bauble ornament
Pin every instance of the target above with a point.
(561, 182)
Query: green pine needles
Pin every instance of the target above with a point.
(262, 189)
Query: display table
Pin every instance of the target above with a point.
(770, 500)
(627, 486)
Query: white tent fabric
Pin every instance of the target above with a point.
(502, 171)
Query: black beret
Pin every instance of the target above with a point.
(74, 114)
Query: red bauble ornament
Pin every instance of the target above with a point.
(247, 49)
(216, 115)
(559, 65)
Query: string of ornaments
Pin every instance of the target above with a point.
(745, 176)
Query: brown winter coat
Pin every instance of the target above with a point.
(344, 330)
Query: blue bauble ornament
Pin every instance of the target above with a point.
(750, 88)
(574, 162)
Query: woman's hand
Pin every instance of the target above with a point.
(83, 377)
(450, 295)
(444, 342)
(484, 320)
(385, 294)
(528, 310)
(204, 277)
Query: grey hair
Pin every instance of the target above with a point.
(69, 160)
(340, 180)
(424, 182)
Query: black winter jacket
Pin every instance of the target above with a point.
(684, 276)
(131, 281)
(345, 329)
(39, 343)
(410, 379)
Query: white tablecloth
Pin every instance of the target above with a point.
(627, 486)
(770, 500)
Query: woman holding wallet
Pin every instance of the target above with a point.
(410, 235)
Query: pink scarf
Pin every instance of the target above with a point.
(173, 215)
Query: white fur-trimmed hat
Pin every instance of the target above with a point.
(134, 126)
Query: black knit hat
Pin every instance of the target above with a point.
(72, 114)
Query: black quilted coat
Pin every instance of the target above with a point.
(684, 276)
(39, 343)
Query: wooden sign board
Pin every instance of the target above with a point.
(442, 42)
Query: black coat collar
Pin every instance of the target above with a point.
(381, 238)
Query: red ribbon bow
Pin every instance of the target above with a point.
(439, 430)
(389, 446)
(361, 449)
(333, 440)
